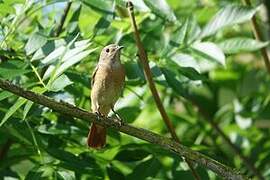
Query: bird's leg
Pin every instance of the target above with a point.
(120, 121)
(99, 115)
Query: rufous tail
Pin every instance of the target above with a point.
(96, 136)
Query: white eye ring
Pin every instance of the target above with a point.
(107, 50)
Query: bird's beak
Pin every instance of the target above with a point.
(120, 47)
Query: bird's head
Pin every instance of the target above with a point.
(110, 53)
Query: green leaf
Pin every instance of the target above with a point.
(6, 9)
(185, 60)
(48, 48)
(228, 16)
(114, 174)
(27, 108)
(60, 83)
(35, 42)
(236, 45)
(9, 73)
(34, 174)
(174, 83)
(161, 8)
(4, 95)
(58, 129)
(103, 6)
(53, 56)
(209, 51)
(134, 74)
(79, 47)
(11, 69)
(145, 169)
(40, 172)
(104, 22)
(66, 175)
(82, 163)
(191, 73)
(188, 32)
(129, 114)
(68, 57)
(29, 104)
(77, 58)
(130, 155)
(72, 26)
(13, 109)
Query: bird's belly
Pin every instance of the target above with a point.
(106, 92)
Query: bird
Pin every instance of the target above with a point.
(107, 86)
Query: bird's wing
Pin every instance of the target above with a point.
(93, 76)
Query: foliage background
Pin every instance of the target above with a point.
(205, 62)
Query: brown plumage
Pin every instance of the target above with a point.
(107, 84)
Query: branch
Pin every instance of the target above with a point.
(267, 5)
(63, 18)
(165, 143)
(147, 72)
(258, 35)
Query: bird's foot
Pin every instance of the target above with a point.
(99, 115)
(118, 119)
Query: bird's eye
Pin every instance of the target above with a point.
(107, 50)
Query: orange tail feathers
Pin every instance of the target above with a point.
(96, 136)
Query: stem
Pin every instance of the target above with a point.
(63, 18)
(257, 33)
(147, 72)
(267, 5)
(38, 76)
(165, 143)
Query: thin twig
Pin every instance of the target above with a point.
(165, 143)
(257, 33)
(63, 18)
(147, 72)
(267, 5)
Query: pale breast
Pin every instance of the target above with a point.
(107, 85)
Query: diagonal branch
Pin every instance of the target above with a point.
(63, 18)
(147, 72)
(165, 143)
(259, 37)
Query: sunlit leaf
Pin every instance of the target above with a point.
(77, 58)
(13, 109)
(102, 6)
(35, 42)
(210, 51)
(4, 95)
(236, 45)
(60, 83)
(185, 60)
(27, 108)
(227, 16)
(53, 56)
(161, 8)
